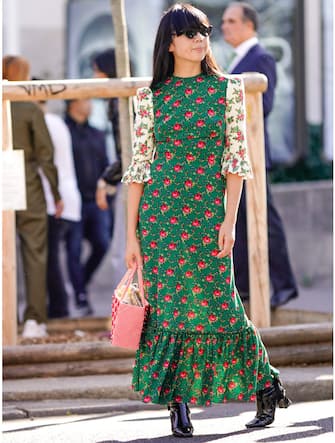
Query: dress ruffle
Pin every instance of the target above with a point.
(137, 172)
(208, 366)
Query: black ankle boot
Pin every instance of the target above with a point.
(267, 399)
(180, 420)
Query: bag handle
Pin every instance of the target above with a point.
(128, 278)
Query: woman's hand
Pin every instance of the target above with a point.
(133, 254)
(226, 239)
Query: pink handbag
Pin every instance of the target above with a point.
(129, 308)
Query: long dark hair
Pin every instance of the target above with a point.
(180, 16)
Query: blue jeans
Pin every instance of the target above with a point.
(94, 226)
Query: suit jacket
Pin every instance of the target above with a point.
(259, 60)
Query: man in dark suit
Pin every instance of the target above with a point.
(239, 28)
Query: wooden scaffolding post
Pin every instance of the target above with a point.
(9, 309)
(259, 286)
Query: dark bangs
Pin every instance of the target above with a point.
(186, 16)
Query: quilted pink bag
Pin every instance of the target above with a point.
(129, 309)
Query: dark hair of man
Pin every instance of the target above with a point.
(180, 16)
(249, 13)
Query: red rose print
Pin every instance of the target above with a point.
(208, 213)
(196, 289)
(177, 142)
(177, 127)
(167, 98)
(144, 232)
(218, 201)
(213, 134)
(188, 91)
(176, 103)
(165, 324)
(220, 390)
(241, 372)
(183, 374)
(194, 400)
(200, 79)
(231, 385)
(240, 396)
(177, 168)
(185, 235)
(161, 259)
(199, 100)
(166, 364)
(175, 194)
(196, 222)
(175, 313)
(145, 206)
(152, 218)
(200, 123)
(184, 299)
(200, 170)
(222, 101)
(224, 305)
(191, 314)
(204, 303)
(155, 193)
(252, 397)
(222, 268)
(199, 328)
(178, 83)
(206, 239)
(212, 317)
(188, 183)
(167, 181)
(155, 375)
(153, 244)
(201, 144)
(158, 167)
(147, 399)
(172, 246)
(198, 197)
(211, 90)
(211, 112)
(168, 297)
(211, 159)
(197, 374)
(192, 248)
(221, 329)
(190, 157)
(228, 280)
(173, 220)
(168, 155)
(181, 325)
(155, 269)
(170, 272)
(178, 287)
(164, 207)
(186, 209)
(209, 278)
(232, 320)
(188, 114)
(188, 274)
(181, 261)
(201, 264)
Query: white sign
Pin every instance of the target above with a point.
(13, 180)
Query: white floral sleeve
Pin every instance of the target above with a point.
(143, 147)
(235, 159)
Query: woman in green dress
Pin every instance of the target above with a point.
(189, 160)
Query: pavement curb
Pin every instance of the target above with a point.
(112, 394)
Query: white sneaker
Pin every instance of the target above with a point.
(32, 329)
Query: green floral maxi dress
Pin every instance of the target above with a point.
(198, 346)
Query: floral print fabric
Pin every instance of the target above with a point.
(197, 346)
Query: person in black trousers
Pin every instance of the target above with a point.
(239, 28)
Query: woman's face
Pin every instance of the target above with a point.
(186, 49)
(97, 73)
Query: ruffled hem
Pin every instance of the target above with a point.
(242, 169)
(201, 369)
(137, 173)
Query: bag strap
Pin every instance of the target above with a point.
(141, 286)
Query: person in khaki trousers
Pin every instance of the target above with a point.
(30, 134)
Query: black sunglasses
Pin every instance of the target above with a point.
(192, 32)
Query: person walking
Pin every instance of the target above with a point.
(90, 160)
(185, 178)
(30, 133)
(239, 28)
(57, 227)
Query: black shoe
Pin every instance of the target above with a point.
(282, 297)
(267, 400)
(180, 420)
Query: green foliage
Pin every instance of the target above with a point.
(311, 167)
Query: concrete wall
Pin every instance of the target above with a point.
(306, 209)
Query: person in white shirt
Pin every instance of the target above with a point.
(57, 227)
